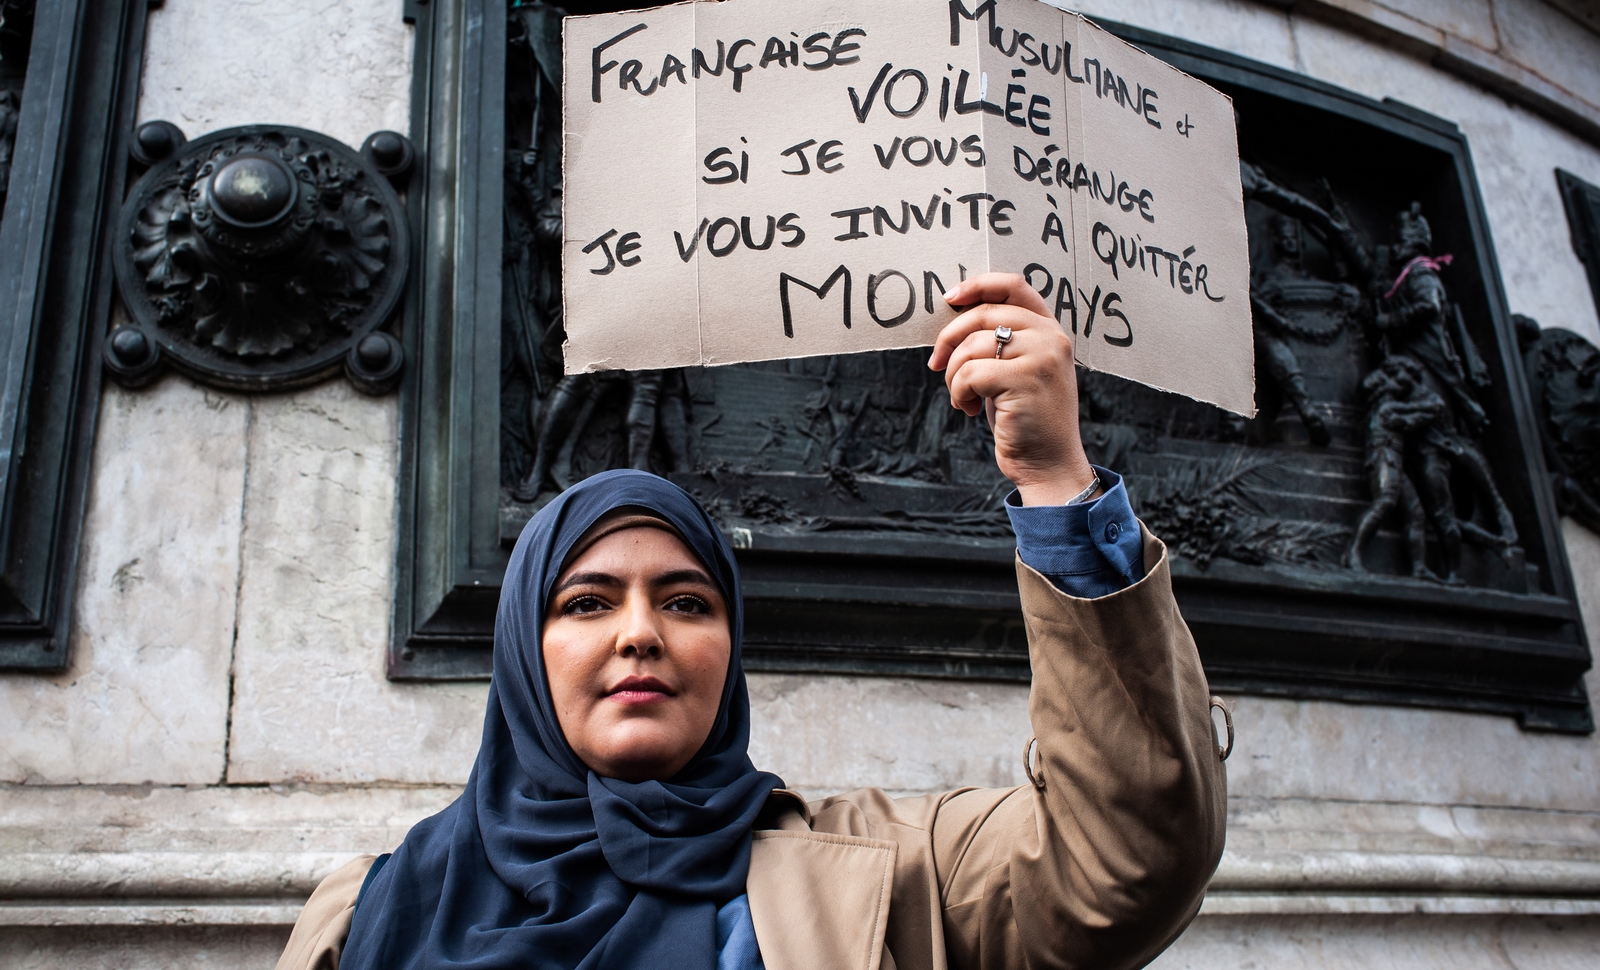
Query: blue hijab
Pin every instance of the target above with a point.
(541, 864)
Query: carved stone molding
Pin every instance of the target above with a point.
(261, 258)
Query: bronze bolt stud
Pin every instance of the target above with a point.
(155, 140)
(387, 149)
(373, 352)
(130, 346)
(253, 190)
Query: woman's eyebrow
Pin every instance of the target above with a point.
(685, 576)
(588, 579)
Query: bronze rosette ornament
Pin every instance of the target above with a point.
(261, 258)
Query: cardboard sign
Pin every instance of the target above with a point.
(759, 179)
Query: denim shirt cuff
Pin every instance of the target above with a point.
(1086, 550)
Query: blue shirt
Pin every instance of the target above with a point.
(1086, 550)
(736, 937)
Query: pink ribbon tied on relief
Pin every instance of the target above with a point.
(1435, 263)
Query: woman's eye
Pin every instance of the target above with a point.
(583, 604)
(689, 604)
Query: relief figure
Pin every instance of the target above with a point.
(1284, 291)
(1416, 319)
(1399, 407)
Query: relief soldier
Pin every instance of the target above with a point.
(1416, 319)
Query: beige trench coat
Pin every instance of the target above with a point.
(1100, 864)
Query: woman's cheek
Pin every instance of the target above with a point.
(572, 661)
(711, 668)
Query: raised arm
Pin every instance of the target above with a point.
(1103, 860)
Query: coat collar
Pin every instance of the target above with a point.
(809, 892)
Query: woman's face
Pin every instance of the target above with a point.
(636, 646)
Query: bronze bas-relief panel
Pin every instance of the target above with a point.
(1381, 531)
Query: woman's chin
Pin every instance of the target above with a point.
(639, 755)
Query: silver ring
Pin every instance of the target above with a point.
(1002, 336)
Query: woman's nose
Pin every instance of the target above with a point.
(641, 627)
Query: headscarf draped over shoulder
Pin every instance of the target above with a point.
(541, 863)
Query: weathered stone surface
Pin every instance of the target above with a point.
(1250, 30)
(193, 912)
(825, 735)
(1261, 826)
(1290, 749)
(1468, 19)
(142, 948)
(1514, 154)
(311, 702)
(145, 699)
(1549, 43)
(342, 68)
(1526, 51)
(1403, 942)
(1319, 750)
(147, 842)
(317, 575)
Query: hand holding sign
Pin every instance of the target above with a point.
(759, 179)
(1028, 384)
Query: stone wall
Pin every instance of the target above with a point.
(226, 736)
(1539, 53)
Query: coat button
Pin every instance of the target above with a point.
(1112, 531)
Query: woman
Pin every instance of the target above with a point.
(613, 819)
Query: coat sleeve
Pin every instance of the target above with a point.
(1104, 861)
(324, 925)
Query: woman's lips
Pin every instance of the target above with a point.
(639, 690)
